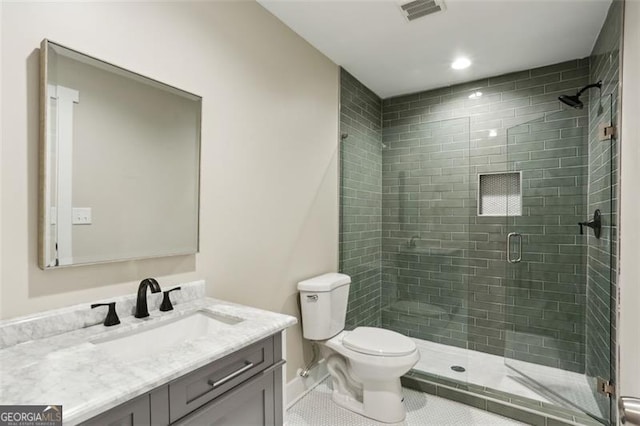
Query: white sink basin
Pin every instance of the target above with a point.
(164, 336)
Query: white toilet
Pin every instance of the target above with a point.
(365, 364)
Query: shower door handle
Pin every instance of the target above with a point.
(519, 258)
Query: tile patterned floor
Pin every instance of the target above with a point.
(317, 409)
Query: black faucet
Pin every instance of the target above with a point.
(141, 305)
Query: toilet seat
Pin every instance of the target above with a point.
(379, 342)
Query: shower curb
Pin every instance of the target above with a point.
(523, 409)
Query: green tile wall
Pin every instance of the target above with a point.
(453, 287)
(361, 199)
(603, 158)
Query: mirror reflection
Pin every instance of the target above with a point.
(120, 158)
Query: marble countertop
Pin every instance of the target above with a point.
(68, 369)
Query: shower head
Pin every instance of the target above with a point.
(574, 101)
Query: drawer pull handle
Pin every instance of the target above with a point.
(247, 366)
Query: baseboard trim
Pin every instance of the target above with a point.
(300, 386)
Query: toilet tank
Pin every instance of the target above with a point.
(323, 301)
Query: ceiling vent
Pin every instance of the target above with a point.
(418, 8)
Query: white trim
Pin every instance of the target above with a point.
(50, 212)
(66, 98)
(629, 227)
(300, 386)
(284, 374)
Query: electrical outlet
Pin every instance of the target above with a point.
(81, 216)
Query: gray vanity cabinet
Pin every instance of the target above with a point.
(243, 388)
(133, 413)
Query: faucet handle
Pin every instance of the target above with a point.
(166, 301)
(112, 316)
(595, 224)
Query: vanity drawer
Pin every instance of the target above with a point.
(196, 389)
(253, 403)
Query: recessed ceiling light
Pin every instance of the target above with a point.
(460, 63)
(493, 133)
(475, 95)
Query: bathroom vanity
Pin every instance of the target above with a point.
(242, 388)
(206, 362)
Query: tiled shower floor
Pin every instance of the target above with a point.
(491, 371)
(317, 409)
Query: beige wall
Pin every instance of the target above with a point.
(269, 195)
(629, 332)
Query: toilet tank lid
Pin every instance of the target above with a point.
(326, 282)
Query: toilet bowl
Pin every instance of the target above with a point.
(366, 363)
(374, 366)
(377, 354)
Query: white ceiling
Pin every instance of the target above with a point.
(374, 42)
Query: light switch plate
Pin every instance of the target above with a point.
(82, 216)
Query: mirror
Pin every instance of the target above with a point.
(119, 163)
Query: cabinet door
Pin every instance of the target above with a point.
(133, 413)
(252, 403)
(159, 402)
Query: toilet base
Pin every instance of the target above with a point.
(366, 384)
(381, 401)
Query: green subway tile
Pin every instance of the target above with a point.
(516, 413)
(557, 422)
(554, 153)
(418, 385)
(550, 69)
(568, 85)
(462, 397)
(521, 75)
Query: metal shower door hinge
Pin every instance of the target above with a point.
(606, 131)
(606, 387)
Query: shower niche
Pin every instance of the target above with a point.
(500, 194)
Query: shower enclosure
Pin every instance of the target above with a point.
(460, 227)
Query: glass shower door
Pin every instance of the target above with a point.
(426, 208)
(558, 272)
